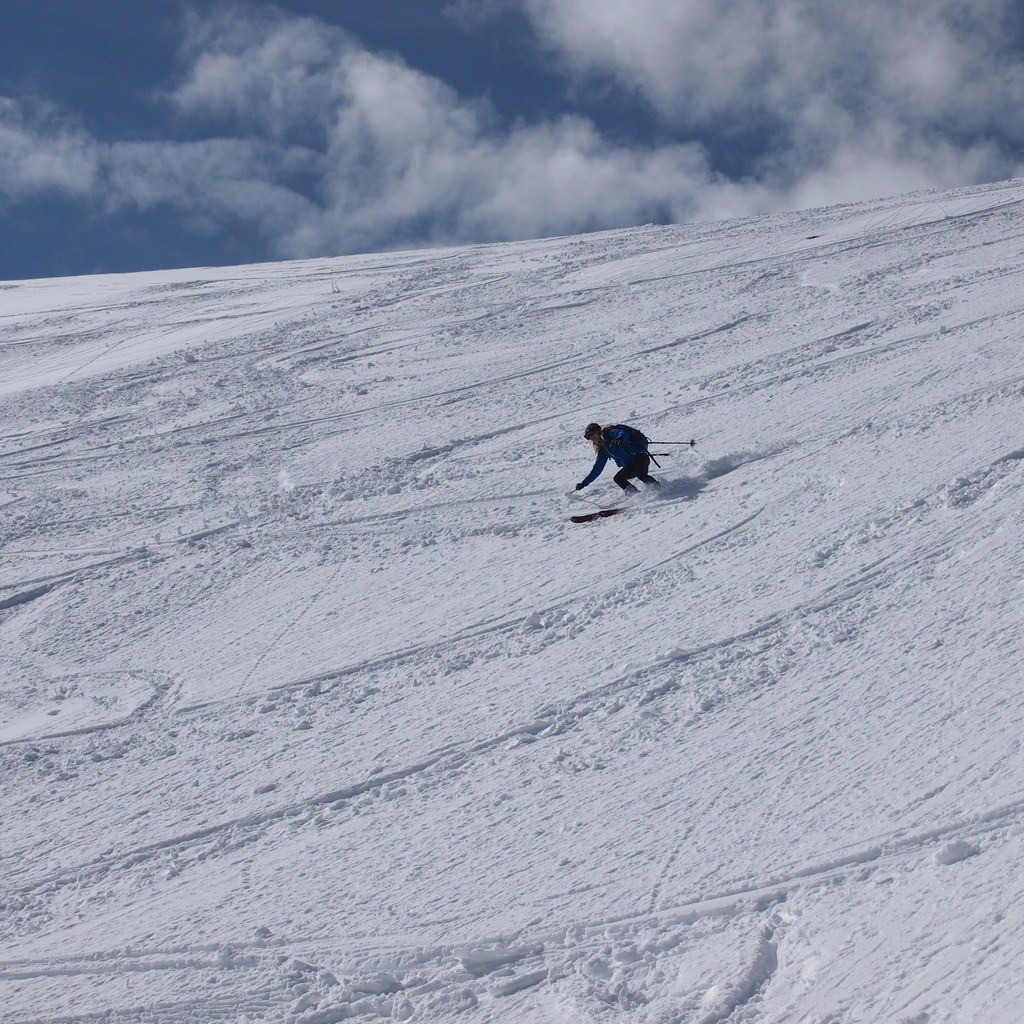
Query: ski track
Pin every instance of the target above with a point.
(316, 709)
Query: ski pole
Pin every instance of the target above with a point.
(576, 496)
(689, 444)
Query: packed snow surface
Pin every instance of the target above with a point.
(316, 707)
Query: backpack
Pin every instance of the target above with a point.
(633, 436)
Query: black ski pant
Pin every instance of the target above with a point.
(635, 469)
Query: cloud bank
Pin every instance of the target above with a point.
(327, 147)
(853, 99)
(301, 133)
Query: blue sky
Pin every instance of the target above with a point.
(145, 135)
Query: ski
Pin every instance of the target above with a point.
(589, 517)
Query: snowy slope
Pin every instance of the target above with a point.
(316, 708)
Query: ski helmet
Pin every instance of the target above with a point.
(593, 429)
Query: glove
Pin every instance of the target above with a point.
(579, 487)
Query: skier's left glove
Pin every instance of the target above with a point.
(579, 487)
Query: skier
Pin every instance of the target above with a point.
(627, 448)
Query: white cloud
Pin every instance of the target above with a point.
(222, 178)
(263, 70)
(931, 59)
(407, 160)
(325, 147)
(934, 83)
(42, 152)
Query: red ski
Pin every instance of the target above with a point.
(589, 517)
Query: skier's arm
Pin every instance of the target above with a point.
(599, 464)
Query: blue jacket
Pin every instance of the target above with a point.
(615, 443)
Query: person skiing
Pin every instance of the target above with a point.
(627, 448)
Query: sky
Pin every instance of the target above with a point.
(169, 134)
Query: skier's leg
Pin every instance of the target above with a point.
(640, 466)
(622, 478)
